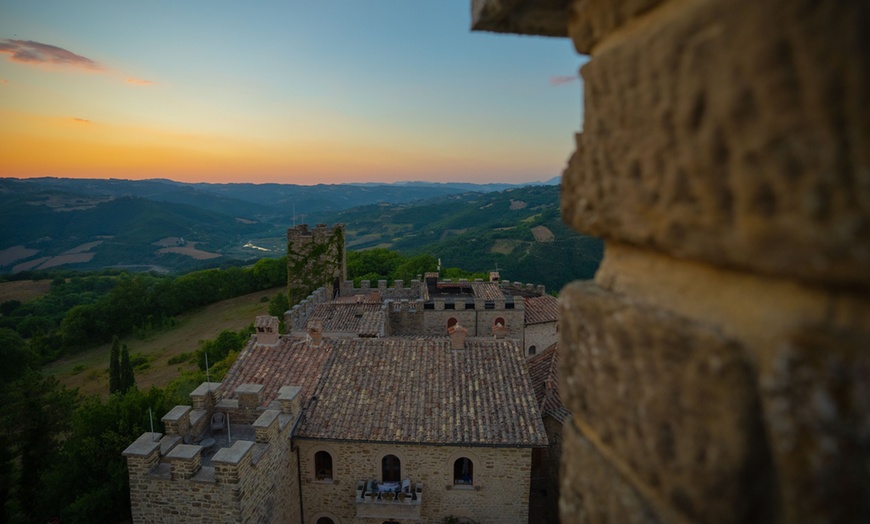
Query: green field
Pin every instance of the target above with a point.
(88, 370)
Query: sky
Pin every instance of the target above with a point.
(287, 91)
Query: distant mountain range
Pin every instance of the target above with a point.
(173, 226)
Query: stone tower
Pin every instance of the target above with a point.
(315, 258)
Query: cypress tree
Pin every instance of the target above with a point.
(115, 366)
(127, 379)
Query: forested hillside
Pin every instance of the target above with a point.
(175, 228)
(517, 231)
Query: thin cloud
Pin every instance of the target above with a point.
(139, 82)
(82, 120)
(560, 80)
(3, 81)
(30, 52)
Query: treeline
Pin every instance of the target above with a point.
(383, 264)
(85, 310)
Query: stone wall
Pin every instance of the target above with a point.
(499, 495)
(296, 318)
(397, 291)
(252, 480)
(541, 336)
(544, 487)
(718, 367)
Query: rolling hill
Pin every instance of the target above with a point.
(169, 226)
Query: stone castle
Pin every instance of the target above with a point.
(380, 404)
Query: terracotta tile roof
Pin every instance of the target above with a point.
(487, 291)
(372, 297)
(544, 372)
(484, 290)
(371, 324)
(421, 391)
(265, 321)
(544, 308)
(292, 362)
(363, 319)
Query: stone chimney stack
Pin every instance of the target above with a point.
(457, 336)
(267, 330)
(315, 331)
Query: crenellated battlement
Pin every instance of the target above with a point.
(296, 318)
(397, 291)
(198, 467)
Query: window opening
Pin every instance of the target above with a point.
(325, 520)
(322, 466)
(391, 469)
(532, 350)
(463, 471)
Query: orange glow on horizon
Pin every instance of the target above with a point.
(75, 147)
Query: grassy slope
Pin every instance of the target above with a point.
(23, 290)
(89, 370)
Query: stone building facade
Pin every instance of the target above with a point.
(717, 366)
(541, 324)
(499, 491)
(316, 429)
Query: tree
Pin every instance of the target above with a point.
(277, 306)
(127, 379)
(89, 481)
(219, 348)
(14, 356)
(115, 366)
(35, 418)
(410, 268)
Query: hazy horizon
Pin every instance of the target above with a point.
(296, 93)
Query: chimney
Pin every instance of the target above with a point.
(494, 276)
(431, 283)
(457, 336)
(267, 330)
(315, 331)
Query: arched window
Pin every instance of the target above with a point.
(391, 469)
(499, 322)
(463, 471)
(451, 322)
(325, 520)
(532, 350)
(322, 466)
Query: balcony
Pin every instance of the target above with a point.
(389, 501)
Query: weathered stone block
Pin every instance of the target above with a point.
(672, 398)
(593, 491)
(732, 132)
(817, 399)
(592, 20)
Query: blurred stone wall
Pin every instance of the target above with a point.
(718, 367)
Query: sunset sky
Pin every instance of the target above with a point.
(284, 91)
